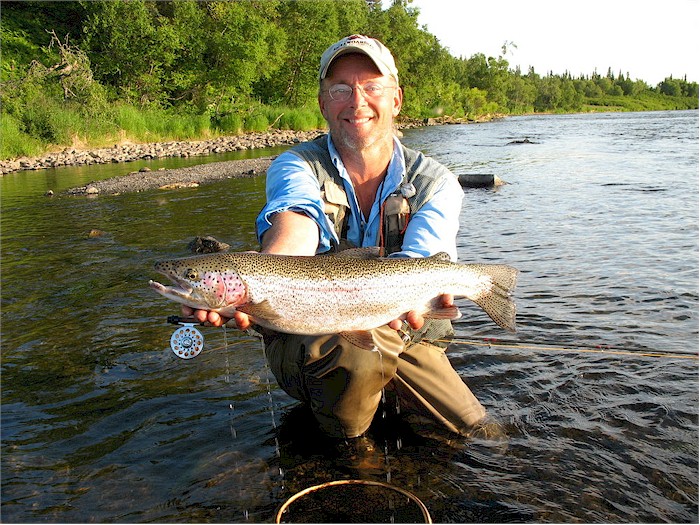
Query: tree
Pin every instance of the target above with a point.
(130, 46)
(670, 87)
(310, 26)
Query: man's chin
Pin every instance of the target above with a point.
(356, 141)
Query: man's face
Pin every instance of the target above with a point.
(362, 120)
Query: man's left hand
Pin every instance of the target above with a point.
(416, 320)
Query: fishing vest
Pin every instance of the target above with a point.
(417, 187)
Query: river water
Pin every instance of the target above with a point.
(596, 394)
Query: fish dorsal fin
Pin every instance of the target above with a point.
(441, 256)
(368, 252)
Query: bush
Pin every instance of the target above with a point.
(131, 121)
(298, 120)
(230, 124)
(16, 143)
(256, 122)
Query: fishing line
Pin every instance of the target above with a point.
(599, 349)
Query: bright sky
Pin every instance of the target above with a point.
(650, 40)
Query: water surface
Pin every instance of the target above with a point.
(101, 422)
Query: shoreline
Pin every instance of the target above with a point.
(129, 151)
(187, 177)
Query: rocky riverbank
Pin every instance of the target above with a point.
(128, 152)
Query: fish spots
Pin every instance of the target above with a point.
(235, 288)
(220, 288)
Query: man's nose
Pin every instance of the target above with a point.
(358, 97)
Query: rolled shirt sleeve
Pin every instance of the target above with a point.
(292, 186)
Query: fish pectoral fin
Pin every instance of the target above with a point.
(360, 338)
(450, 312)
(261, 310)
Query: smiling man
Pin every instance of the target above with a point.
(358, 186)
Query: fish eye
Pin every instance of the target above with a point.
(191, 274)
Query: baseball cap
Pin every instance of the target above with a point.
(371, 47)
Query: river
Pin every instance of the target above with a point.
(596, 393)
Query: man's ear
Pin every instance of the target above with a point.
(322, 106)
(398, 101)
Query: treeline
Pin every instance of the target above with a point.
(91, 72)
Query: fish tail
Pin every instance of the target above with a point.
(497, 302)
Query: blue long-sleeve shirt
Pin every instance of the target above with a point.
(292, 186)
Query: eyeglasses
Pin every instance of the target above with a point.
(343, 92)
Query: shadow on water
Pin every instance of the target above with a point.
(102, 423)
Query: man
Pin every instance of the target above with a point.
(358, 186)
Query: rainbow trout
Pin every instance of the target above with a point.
(341, 293)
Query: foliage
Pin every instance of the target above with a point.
(91, 72)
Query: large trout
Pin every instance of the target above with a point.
(347, 292)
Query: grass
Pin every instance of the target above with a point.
(47, 125)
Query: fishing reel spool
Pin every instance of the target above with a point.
(187, 341)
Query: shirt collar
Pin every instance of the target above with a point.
(394, 175)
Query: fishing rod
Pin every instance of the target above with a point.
(598, 349)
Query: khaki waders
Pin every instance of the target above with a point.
(343, 383)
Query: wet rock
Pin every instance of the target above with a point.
(179, 185)
(522, 141)
(207, 244)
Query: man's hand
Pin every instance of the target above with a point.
(415, 320)
(214, 319)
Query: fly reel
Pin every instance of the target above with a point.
(187, 342)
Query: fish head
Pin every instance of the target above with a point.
(204, 282)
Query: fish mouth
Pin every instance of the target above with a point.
(181, 292)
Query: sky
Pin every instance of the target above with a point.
(650, 40)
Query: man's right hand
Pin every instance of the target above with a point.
(208, 317)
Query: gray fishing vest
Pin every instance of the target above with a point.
(417, 188)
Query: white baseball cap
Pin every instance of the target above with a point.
(371, 47)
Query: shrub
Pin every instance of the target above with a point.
(232, 124)
(16, 143)
(256, 122)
